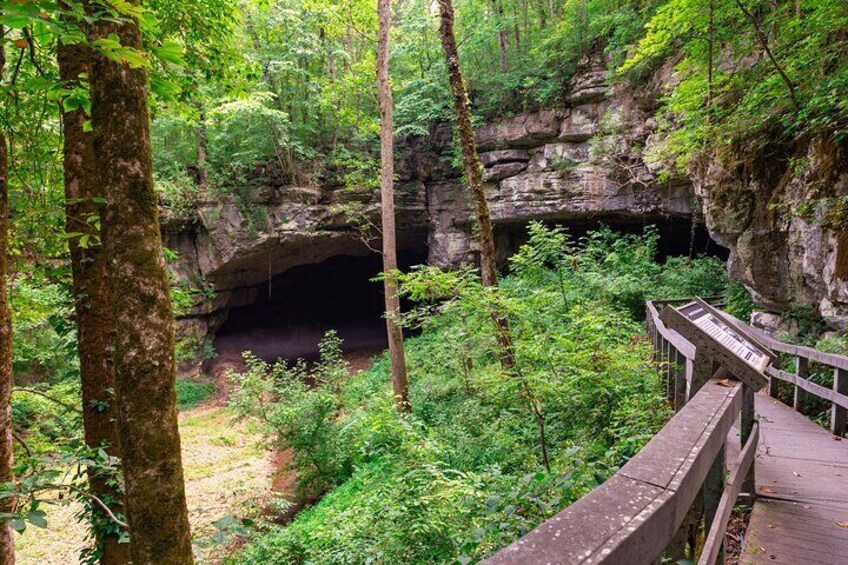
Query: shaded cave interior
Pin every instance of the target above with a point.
(294, 309)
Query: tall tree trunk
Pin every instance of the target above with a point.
(387, 197)
(83, 197)
(710, 55)
(499, 11)
(474, 175)
(7, 540)
(202, 156)
(142, 314)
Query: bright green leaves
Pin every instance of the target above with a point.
(462, 475)
(727, 91)
(168, 52)
(112, 48)
(298, 408)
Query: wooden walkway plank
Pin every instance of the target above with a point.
(801, 513)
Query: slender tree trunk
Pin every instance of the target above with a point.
(516, 29)
(83, 191)
(142, 314)
(763, 39)
(7, 540)
(474, 175)
(710, 63)
(202, 156)
(498, 7)
(387, 196)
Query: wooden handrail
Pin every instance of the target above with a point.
(824, 393)
(646, 511)
(713, 544)
(829, 359)
(837, 396)
(633, 517)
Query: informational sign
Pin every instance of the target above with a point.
(718, 340)
(719, 329)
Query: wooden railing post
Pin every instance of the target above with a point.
(688, 375)
(838, 414)
(713, 489)
(680, 382)
(802, 370)
(703, 368)
(746, 428)
(773, 383)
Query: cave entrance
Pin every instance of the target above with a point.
(293, 310)
(677, 235)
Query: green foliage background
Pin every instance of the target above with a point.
(463, 475)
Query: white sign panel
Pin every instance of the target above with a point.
(726, 335)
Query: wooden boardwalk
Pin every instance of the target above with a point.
(801, 513)
(672, 502)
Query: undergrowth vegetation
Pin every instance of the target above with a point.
(486, 454)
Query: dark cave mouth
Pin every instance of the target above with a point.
(678, 236)
(294, 310)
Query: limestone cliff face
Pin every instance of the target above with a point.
(783, 218)
(581, 162)
(576, 163)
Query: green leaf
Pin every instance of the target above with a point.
(15, 21)
(18, 525)
(37, 518)
(170, 52)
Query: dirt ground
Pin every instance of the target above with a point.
(226, 473)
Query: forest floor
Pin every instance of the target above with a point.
(227, 472)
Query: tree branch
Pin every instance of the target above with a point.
(761, 36)
(88, 495)
(48, 397)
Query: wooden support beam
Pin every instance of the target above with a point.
(703, 368)
(680, 382)
(713, 491)
(713, 545)
(802, 371)
(838, 414)
(746, 427)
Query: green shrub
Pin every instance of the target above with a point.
(190, 393)
(245, 133)
(465, 473)
(299, 408)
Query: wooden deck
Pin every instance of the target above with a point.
(802, 488)
(671, 503)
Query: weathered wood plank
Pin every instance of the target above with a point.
(769, 538)
(578, 532)
(676, 340)
(631, 518)
(825, 393)
(838, 413)
(802, 373)
(741, 466)
(802, 482)
(690, 440)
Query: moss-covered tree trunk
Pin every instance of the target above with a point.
(84, 195)
(142, 317)
(387, 196)
(7, 540)
(474, 174)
